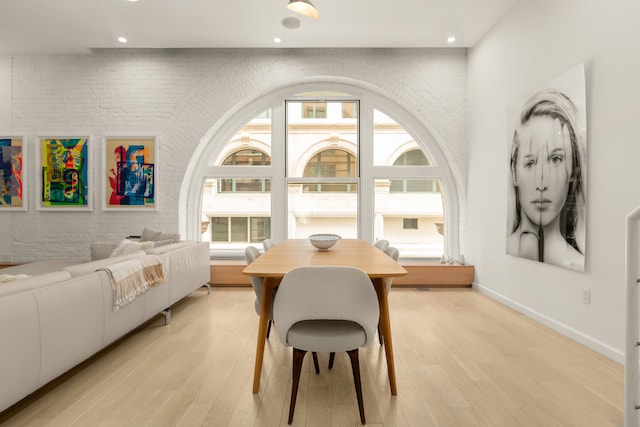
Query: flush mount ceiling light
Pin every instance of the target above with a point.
(303, 7)
(291, 23)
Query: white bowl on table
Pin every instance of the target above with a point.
(323, 241)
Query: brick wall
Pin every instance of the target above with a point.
(178, 95)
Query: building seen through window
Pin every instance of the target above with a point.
(322, 186)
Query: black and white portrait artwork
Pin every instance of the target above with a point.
(547, 173)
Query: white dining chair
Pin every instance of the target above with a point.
(251, 253)
(381, 244)
(326, 309)
(268, 244)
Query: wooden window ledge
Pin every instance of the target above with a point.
(421, 273)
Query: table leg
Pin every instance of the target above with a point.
(385, 328)
(265, 309)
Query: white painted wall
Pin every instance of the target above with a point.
(5, 94)
(5, 129)
(535, 42)
(179, 95)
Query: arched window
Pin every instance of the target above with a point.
(327, 161)
(330, 164)
(413, 157)
(245, 157)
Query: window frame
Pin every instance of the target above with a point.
(221, 132)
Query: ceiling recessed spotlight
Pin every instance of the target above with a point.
(122, 39)
(291, 23)
(277, 39)
(451, 39)
(132, 1)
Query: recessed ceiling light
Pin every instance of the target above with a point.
(122, 39)
(133, 1)
(451, 39)
(277, 39)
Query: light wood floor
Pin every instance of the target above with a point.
(461, 360)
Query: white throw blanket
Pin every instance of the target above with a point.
(132, 277)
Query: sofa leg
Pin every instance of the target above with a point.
(208, 288)
(167, 316)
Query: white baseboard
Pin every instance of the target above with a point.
(595, 345)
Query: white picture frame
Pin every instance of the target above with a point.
(64, 179)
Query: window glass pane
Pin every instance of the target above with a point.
(233, 219)
(244, 184)
(413, 157)
(325, 152)
(260, 229)
(349, 110)
(414, 186)
(315, 212)
(411, 221)
(219, 229)
(239, 231)
(248, 158)
(392, 145)
(314, 110)
(331, 164)
(327, 147)
(250, 146)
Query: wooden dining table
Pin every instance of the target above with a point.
(292, 253)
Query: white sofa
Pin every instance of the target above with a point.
(64, 312)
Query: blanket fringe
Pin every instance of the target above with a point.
(153, 275)
(127, 289)
(132, 278)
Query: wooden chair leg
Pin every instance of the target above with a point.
(315, 362)
(355, 367)
(269, 328)
(298, 357)
(332, 357)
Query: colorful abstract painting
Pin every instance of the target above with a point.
(130, 173)
(12, 185)
(64, 181)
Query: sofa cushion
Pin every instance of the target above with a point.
(33, 282)
(168, 248)
(151, 234)
(91, 266)
(41, 267)
(128, 246)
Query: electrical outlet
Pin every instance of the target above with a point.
(586, 296)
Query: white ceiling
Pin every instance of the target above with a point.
(77, 26)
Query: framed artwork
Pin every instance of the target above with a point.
(130, 173)
(13, 176)
(64, 174)
(547, 173)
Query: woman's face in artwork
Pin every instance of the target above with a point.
(543, 168)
